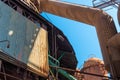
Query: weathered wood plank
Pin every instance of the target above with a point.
(38, 58)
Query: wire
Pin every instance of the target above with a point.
(81, 72)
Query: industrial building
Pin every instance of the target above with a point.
(34, 49)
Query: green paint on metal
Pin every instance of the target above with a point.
(61, 56)
(64, 73)
(54, 60)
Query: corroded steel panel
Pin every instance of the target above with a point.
(23, 37)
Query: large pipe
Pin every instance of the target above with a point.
(104, 24)
(114, 54)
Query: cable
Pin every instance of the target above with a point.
(82, 72)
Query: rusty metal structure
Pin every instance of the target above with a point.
(103, 22)
(93, 69)
(30, 45)
(95, 66)
(53, 46)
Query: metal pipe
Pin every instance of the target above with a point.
(61, 56)
(63, 72)
(114, 53)
(81, 72)
(55, 60)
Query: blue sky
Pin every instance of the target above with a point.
(82, 37)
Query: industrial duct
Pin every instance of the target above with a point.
(104, 24)
(114, 53)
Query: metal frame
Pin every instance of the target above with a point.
(12, 69)
(105, 3)
(26, 11)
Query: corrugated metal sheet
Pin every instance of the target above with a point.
(28, 42)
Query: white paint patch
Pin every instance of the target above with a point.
(10, 33)
(30, 46)
(32, 41)
(37, 29)
(35, 35)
